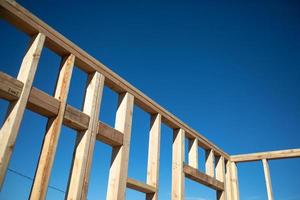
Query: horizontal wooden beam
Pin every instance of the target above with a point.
(202, 178)
(76, 119)
(269, 155)
(109, 135)
(9, 87)
(46, 105)
(139, 186)
(30, 24)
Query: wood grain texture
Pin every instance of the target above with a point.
(202, 178)
(139, 186)
(46, 159)
(46, 105)
(193, 153)
(10, 128)
(220, 176)
(228, 183)
(154, 155)
(10, 88)
(234, 182)
(83, 153)
(268, 179)
(177, 164)
(210, 162)
(120, 155)
(269, 155)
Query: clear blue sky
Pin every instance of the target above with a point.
(230, 70)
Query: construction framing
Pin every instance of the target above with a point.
(220, 168)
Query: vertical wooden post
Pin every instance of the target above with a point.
(10, 128)
(234, 181)
(153, 155)
(210, 162)
(47, 155)
(228, 184)
(220, 175)
(268, 179)
(83, 153)
(120, 155)
(177, 164)
(193, 153)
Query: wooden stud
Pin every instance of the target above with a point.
(10, 128)
(120, 155)
(234, 181)
(220, 175)
(83, 154)
(209, 163)
(154, 155)
(177, 164)
(268, 179)
(228, 184)
(46, 105)
(28, 23)
(43, 172)
(193, 153)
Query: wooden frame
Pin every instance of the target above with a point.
(221, 168)
(10, 128)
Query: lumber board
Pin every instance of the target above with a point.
(209, 162)
(10, 88)
(139, 186)
(220, 175)
(30, 24)
(177, 164)
(109, 135)
(193, 153)
(9, 130)
(76, 119)
(53, 130)
(228, 184)
(120, 155)
(234, 182)
(154, 155)
(202, 178)
(83, 153)
(42, 103)
(46, 105)
(268, 179)
(269, 155)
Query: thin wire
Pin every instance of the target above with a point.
(29, 178)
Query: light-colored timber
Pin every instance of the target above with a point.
(139, 186)
(83, 153)
(210, 162)
(203, 178)
(220, 176)
(228, 182)
(270, 155)
(220, 168)
(10, 128)
(268, 179)
(48, 106)
(46, 159)
(234, 182)
(154, 155)
(177, 164)
(30, 24)
(193, 153)
(120, 155)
